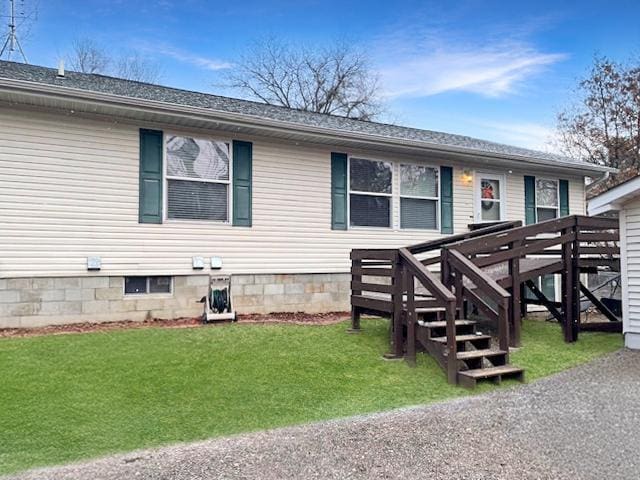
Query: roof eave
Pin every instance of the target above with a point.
(81, 95)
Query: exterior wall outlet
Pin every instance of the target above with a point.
(94, 263)
(198, 263)
(216, 263)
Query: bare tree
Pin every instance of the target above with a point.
(336, 80)
(134, 66)
(603, 125)
(88, 57)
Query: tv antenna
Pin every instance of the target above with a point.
(11, 42)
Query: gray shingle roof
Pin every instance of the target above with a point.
(145, 91)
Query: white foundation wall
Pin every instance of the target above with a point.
(69, 190)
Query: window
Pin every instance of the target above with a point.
(197, 179)
(369, 193)
(418, 197)
(142, 285)
(546, 199)
(489, 201)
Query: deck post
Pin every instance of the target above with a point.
(356, 265)
(397, 300)
(575, 286)
(411, 318)
(515, 317)
(570, 287)
(452, 353)
(458, 286)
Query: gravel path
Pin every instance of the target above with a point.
(580, 424)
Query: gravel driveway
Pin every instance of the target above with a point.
(580, 424)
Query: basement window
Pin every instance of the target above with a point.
(144, 285)
(198, 179)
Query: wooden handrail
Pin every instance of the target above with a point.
(441, 242)
(424, 276)
(477, 276)
(490, 241)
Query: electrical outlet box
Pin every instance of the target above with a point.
(216, 263)
(198, 263)
(94, 263)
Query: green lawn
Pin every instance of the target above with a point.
(70, 397)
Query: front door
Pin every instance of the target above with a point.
(489, 197)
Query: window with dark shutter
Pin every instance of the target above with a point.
(197, 179)
(370, 190)
(419, 197)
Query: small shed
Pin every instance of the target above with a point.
(624, 199)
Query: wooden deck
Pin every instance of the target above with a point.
(486, 269)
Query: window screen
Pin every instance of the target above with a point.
(197, 179)
(417, 213)
(197, 200)
(546, 199)
(370, 211)
(370, 176)
(370, 184)
(418, 197)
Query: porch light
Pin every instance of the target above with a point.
(467, 177)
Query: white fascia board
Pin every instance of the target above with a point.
(89, 97)
(614, 198)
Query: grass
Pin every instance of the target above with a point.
(70, 397)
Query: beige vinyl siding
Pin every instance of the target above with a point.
(69, 189)
(630, 249)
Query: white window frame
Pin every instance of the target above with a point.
(437, 199)
(548, 207)
(477, 195)
(147, 292)
(373, 194)
(166, 177)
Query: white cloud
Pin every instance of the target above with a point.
(438, 64)
(181, 55)
(531, 135)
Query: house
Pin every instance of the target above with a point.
(624, 199)
(120, 200)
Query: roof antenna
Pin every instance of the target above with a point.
(11, 42)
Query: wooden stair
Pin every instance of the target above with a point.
(475, 357)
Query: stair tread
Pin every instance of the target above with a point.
(461, 338)
(430, 309)
(443, 323)
(478, 354)
(491, 371)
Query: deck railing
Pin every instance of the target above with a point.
(484, 268)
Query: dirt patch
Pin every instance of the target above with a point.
(298, 318)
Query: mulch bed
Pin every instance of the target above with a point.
(298, 318)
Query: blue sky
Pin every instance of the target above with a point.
(489, 69)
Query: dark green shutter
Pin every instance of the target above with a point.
(242, 174)
(446, 200)
(338, 191)
(564, 198)
(150, 202)
(529, 200)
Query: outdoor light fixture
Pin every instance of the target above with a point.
(467, 177)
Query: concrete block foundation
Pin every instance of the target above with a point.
(35, 302)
